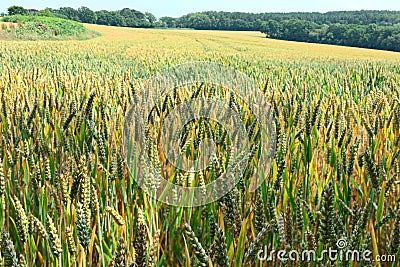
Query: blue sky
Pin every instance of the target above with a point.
(177, 8)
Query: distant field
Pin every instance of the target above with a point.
(248, 44)
(68, 198)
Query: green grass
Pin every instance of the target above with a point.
(39, 27)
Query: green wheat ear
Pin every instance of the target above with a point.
(310, 240)
(8, 251)
(54, 238)
(85, 188)
(196, 246)
(21, 220)
(119, 257)
(220, 249)
(141, 245)
(2, 185)
(116, 216)
(22, 261)
(259, 212)
(82, 226)
(36, 226)
(155, 243)
(326, 229)
(394, 245)
(70, 241)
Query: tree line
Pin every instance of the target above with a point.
(124, 18)
(212, 20)
(367, 29)
(366, 36)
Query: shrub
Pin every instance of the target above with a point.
(42, 25)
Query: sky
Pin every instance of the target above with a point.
(176, 8)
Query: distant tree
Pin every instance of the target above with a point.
(45, 12)
(17, 10)
(130, 19)
(103, 17)
(223, 23)
(169, 22)
(257, 24)
(270, 28)
(160, 24)
(68, 12)
(240, 25)
(354, 36)
(126, 12)
(199, 21)
(86, 15)
(111, 18)
(297, 30)
(141, 16)
(371, 36)
(336, 34)
(117, 19)
(134, 18)
(150, 18)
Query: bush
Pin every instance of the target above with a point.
(45, 13)
(43, 25)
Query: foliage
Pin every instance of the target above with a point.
(45, 13)
(17, 10)
(45, 26)
(111, 18)
(367, 36)
(125, 17)
(252, 21)
(86, 15)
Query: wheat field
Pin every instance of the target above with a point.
(68, 198)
